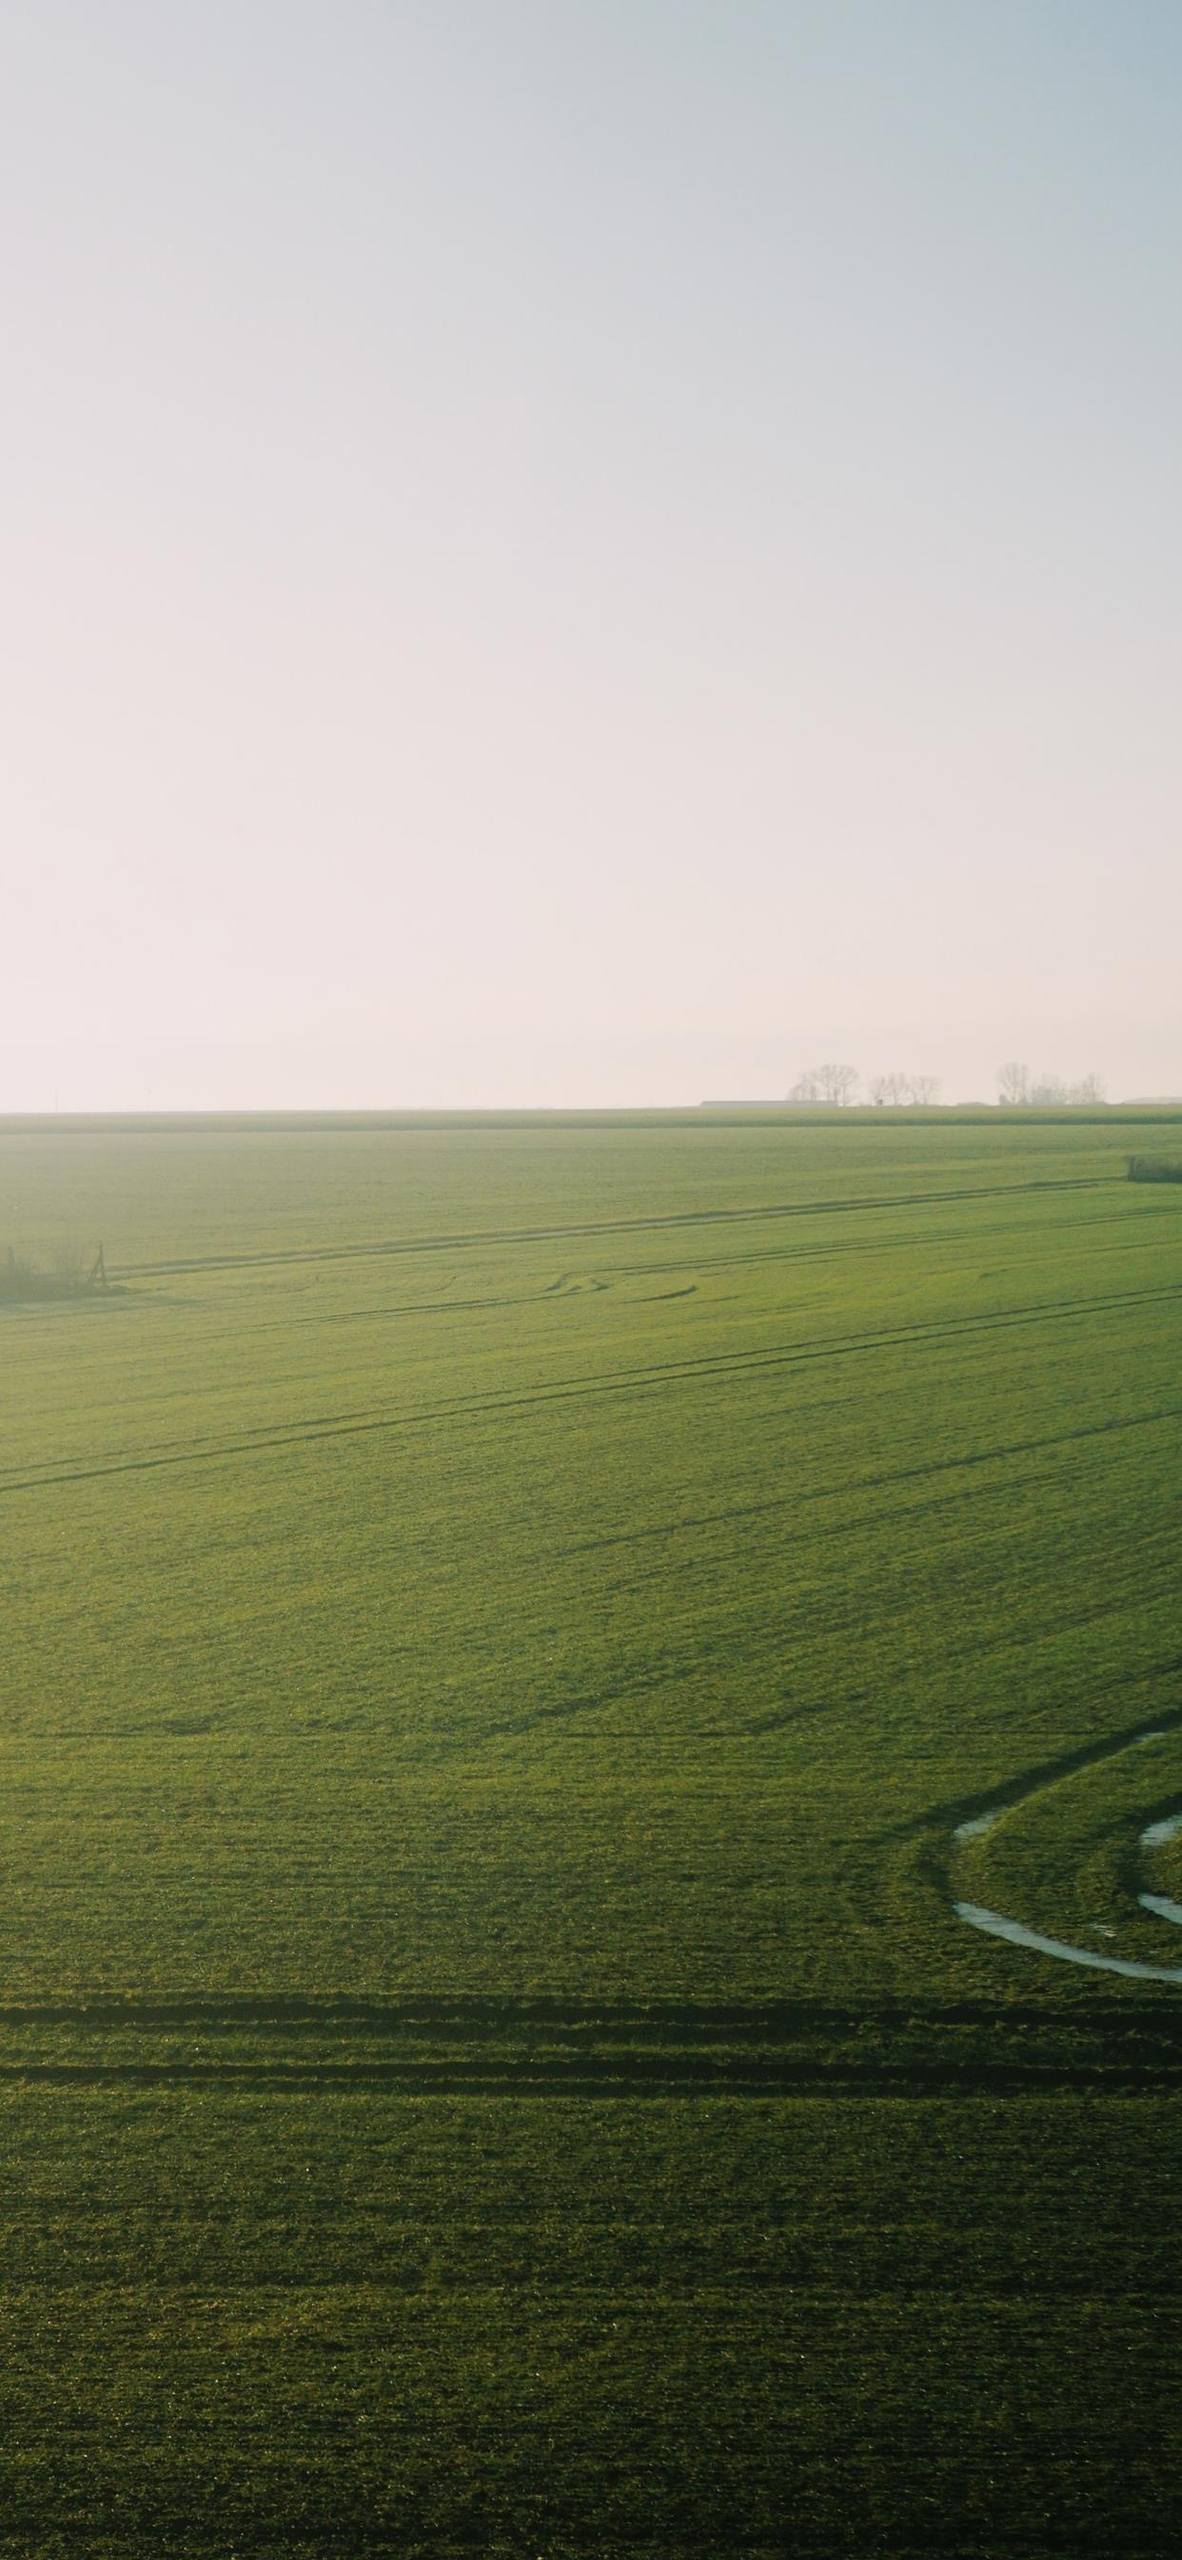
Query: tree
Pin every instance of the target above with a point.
(826, 1084)
(896, 1089)
(1013, 1082)
(1054, 1093)
(837, 1084)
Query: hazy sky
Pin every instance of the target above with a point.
(570, 551)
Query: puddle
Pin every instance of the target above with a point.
(996, 1925)
(1154, 1836)
(980, 1822)
(1159, 1832)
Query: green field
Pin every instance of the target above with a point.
(504, 1621)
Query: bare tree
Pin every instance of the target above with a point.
(837, 1084)
(1050, 1093)
(805, 1090)
(897, 1089)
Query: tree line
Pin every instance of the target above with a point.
(840, 1085)
(1016, 1086)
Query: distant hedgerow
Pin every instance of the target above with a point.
(1155, 1168)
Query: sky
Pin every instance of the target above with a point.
(587, 552)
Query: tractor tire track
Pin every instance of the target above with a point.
(540, 2047)
(707, 1368)
(485, 1238)
(996, 2078)
(882, 1480)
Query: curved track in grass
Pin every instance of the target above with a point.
(979, 1818)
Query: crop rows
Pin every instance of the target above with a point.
(501, 1725)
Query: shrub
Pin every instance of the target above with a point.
(64, 1272)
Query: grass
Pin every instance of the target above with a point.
(504, 1620)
